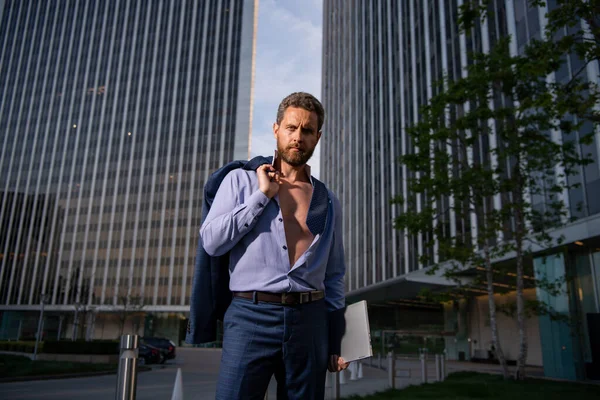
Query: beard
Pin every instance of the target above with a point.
(295, 158)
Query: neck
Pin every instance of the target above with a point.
(291, 173)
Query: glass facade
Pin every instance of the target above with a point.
(381, 63)
(112, 115)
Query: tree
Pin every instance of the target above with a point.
(497, 148)
(128, 305)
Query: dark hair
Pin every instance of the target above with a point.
(302, 100)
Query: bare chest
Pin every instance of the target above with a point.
(294, 201)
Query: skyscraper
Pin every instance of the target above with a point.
(380, 62)
(112, 115)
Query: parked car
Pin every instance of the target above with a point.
(167, 347)
(149, 355)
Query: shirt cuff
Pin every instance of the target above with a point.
(255, 205)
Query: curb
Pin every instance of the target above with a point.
(65, 376)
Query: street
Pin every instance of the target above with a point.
(199, 369)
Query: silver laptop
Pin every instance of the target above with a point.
(356, 343)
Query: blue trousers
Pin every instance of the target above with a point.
(261, 340)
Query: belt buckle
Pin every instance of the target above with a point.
(304, 298)
(283, 298)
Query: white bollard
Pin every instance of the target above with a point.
(178, 389)
(423, 368)
(342, 377)
(360, 370)
(443, 366)
(353, 371)
(391, 370)
(335, 378)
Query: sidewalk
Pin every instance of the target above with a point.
(374, 380)
(408, 372)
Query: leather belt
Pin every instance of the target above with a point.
(290, 298)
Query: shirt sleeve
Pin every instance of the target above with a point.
(228, 220)
(336, 266)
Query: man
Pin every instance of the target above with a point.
(283, 231)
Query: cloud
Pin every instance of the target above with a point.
(288, 59)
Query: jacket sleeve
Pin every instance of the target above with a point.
(334, 284)
(228, 220)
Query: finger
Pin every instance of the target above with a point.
(266, 168)
(342, 364)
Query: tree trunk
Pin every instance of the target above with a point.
(122, 320)
(492, 306)
(519, 235)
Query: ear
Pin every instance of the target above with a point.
(319, 136)
(275, 129)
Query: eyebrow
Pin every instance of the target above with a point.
(304, 128)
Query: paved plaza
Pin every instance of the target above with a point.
(199, 371)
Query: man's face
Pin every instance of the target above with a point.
(297, 135)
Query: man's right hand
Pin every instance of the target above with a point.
(337, 363)
(268, 180)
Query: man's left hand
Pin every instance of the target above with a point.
(337, 363)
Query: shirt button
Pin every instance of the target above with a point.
(260, 204)
(280, 219)
(246, 225)
(285, 247)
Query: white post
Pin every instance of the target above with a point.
(443, 366)
(91, 325)
(336, 385)
(423, 368)
(360, 370)
(353, 371)
(391, 370)
(342, 375)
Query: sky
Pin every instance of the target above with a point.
(288, 59)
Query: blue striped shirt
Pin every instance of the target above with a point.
(245, 222)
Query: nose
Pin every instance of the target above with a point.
(297, 135)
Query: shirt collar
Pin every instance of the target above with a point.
(307, 170)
